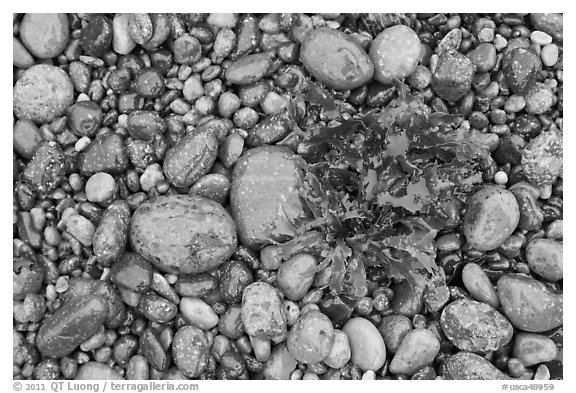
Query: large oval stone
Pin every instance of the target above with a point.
(45, 35)
(42, 93)
(545, 258)
(263, 193)
(183, 233)
(336, 59)
(528, 303)
(469, 366)
(475, 327)
(366, 344)
(395, 53)
(492, 214)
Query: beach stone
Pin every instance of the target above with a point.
(100, 187)
(42, 93)
(478, 284)
(492, 215)
(393, 329)
(340, 352)
(483, 56)
(470, 366)
(335, 59)
(21, 58)
(191, 350)
(366, 344)
(294, 278)
(248, 69)
(475, 327)
(46, 170)
(452, 78)
(96, 36)
(552, 24)
(539, 99)
(311, 338)
(81, 228)
(280, 365)
(106, 153)
(196, 312)
(183, 233)
(545, 258)
(532, 349)
(521, 68)
(542, 158)
(395, 53)
(262, 311)
(45, 35)
(122, 41)
(529, 304)
(26, 138)
(549, 55)
(417, 350)
(97, 371)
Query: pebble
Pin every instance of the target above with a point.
(187, 49)
(393, 329)
(552, 24)
(21, 58)
(340, 352)
(100, 187)
(335, 59)
(408, 298)
(475, 327)
(96, 36)
(230, 150)
(26, 138)
(235, 276)
(295, 276)
(111, 235)
(140, 28)
(198, 313)
(42, 93)
(46, 170)
(470, 366)
(540, 38)
(183, 233)
(417, 350)
(545, 258)
(484, 57)
(81, 228)
(542, 158)
(122, 41)
(501, 178)
(157, 309)
(310, 339)
(106, 153)
(45, 35)
(366, 344)
(549, 55)
(521, 68)
(248, 69)
(539, 99)
(514, 104)
(555, 230)
(262, 312)
(191, 158)
(452, 78)
(450, 42)
(528, 303)
(492, 215)
(149, 83)
(280, 365)
(228, 103)
(478, 284)
(532, 349)
(144, 124)
(97, 371)
(191, 351)
(78, 320)
(222, 20)
(212, 186)
(263, 179)
(152, 176)
(395, 53)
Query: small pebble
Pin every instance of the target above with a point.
(100, 187)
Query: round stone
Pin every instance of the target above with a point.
(539, 99)
(521, 68)
(549, 55)
(395, 53)
(42, 93)
(84, 118)
(484, 57)
(545, 258)
(452, 78)
(96, 37)
(100, 187)
(45, 35)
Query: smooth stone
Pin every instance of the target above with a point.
(417, 350)
(366, 344)
(100, 187)
(311, 338)
(21, 58)
(122, 41)
(542, 158)
(393, 329)
(104, 154)
(395, 53)
(528, 303)
(549, 55)
(97, 371)
(532, 349)
(408, 298)
(280, 365)
(45, 35)
(248, 69)
(111, 236)
(340, 352)
(81, 228)
(263, 314)
(191, 351)
(521, 68)
(264, 184)
(452, 78)
(26, 138)
(198, 313)
(492, 215)
(478, 284)
(469, 366)
(46, 170)
(336, 59)
(545, 258)
(294, 277)
(475, 327)
(484, 57)
(42, 93)
(552, 24)
(96, 37)
(539, 99)
(183, 233)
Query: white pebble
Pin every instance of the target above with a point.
(549, 55)
(369, 375)
(546, 192)
(100, 187)
(540, 38)
(82, 143)
(501, 178)
(151, 176)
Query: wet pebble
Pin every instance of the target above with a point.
(296, 275)
(311, 338)
(417, 350)
(478, 284)
(45, 35)
(96, 36)
(262, 312)
(452, 78)
(521, 69)
(191, 350)
(539, 99)
(532, 349)
(366, 344)
(100, 187)
(545, 258)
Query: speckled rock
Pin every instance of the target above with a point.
(542, 159)
(393, 329)
(263, 315)
(545, 258)
(46, 170)
(452, 78)
(417, 350)
(212, 186)
(529, 304)
(191, 350)
(196, 312)
(96, 36)
(475, 327)
(111, 236)
(533, 349)
(311, 338)
(264, 187)
(539, 99)
(478, 284)
(104, 154)
(335, 59)
(280, 365)
(521, 68)
(395, 53)
(295, 276)
(492, 215)
(552, 24)
(183, 233)
(45, 35)
(248, 69)
(67, 328)
(469, 366)
(42, 93)
(366, 343)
